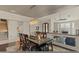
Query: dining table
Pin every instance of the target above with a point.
(41, 42)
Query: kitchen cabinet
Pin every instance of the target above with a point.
(3, 26)
(62, 27)
(45, 27)
(3, 29)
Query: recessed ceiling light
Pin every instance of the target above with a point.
(12, 10)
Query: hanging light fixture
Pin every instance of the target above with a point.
(34, 21)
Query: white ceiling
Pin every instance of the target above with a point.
(34, 11)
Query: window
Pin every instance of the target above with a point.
(65, 27)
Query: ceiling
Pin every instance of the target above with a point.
(35, 11)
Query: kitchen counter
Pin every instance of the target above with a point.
(66, 46)
(6, 41)
(65, 35)
(76, 48)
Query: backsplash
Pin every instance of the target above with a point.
(3, 35)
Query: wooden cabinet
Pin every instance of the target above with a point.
(3, 26)
(45, 27)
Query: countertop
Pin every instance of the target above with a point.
(39, 42)
(66, 35)
(6, 41)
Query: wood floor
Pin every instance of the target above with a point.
(55, 49)
(59, 49)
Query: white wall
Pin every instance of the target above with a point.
(26, 27)
(13, 20)
(12, 30)
(69, 14)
